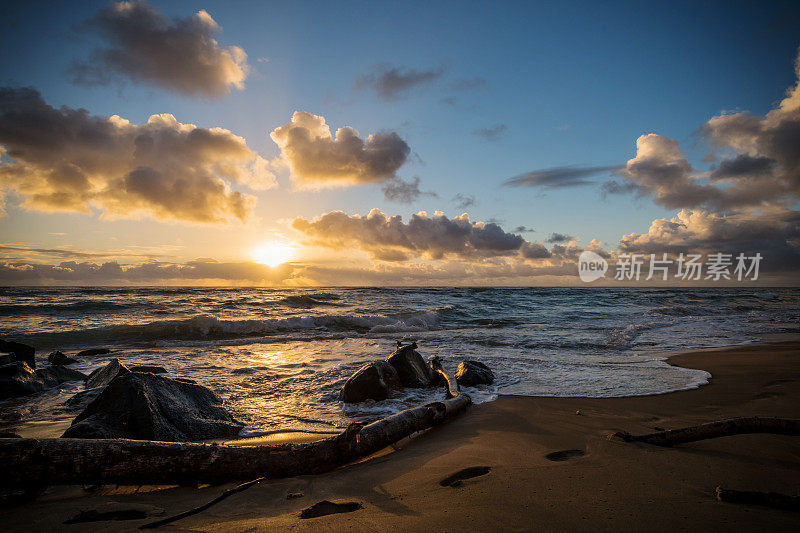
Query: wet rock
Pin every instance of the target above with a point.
(144, 406)
(79, 401)
(373, 381)
(412, 370)
(153, 369)
(22, 352)
(103, 376)
(57, 358)
(471, 373)
(54, 376)
(93, 351)
(19, 379)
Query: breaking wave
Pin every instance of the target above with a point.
(213, 328)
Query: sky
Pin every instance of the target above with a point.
(415, 143)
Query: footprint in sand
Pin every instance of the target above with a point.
(564, 455)
(456, 480)
(326, 507)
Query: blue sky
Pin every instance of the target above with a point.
(574, 83)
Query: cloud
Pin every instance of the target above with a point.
(559, 238)
(463, 201)
(524, 229)
(404, 192)
(390, 239)
(78, 254)
(449, 274)
(534, 250)
(317, 159)
(774, 234)
(142, 45)
(392, 83)
(759, 163)
(467, 84)
(558, 177)
(492, 133)
(660, 169)
(68, 160)
(143, 273)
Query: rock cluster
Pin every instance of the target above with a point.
(405, 367)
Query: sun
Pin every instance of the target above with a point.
(273, 253)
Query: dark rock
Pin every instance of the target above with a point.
(411, 368)
(22, 352)
(58, 358)
(79, 401)
(9, 435)
(186, 380)
(7, 359)
(471, 373)
(93, 351)
(143, 406)
(153, 369)
(56, 375)
(19, 379)
(372, 381)
(103, 376)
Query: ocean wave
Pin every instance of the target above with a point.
(324, 296)
(308, 301)
(212, 328)
(623, 337)
(53, 307)
(678, 310)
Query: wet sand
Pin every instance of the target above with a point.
(593, 484)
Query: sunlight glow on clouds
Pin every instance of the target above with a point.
(760, 168)
(434, 237)
(317, 159)
(68, 160)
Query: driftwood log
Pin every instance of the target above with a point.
(712, 430)
(450, 384)
(34, 463)
(767, 499)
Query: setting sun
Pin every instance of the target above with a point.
(273, 253)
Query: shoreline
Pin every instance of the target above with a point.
(551, 468)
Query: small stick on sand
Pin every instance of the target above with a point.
(200, 509)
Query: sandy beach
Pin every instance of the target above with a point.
(601, 484)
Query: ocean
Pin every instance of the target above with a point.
(279, 357)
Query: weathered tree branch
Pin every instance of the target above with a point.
(453, 389)
(712, 430)
(201, 508)
(30, 463)
(768, 499)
